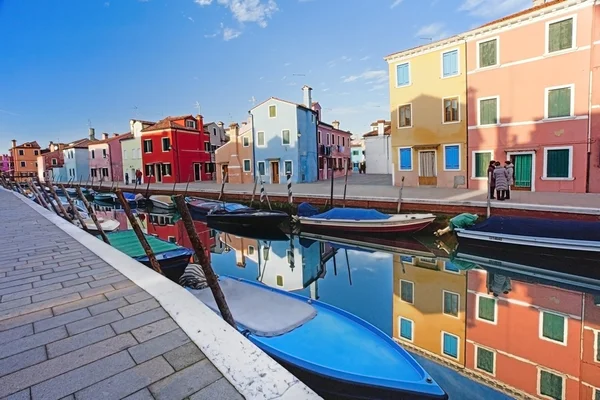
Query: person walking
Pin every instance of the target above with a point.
(510, 169)
(138, 176)
(126, 178)
(490, 175)
(501, 181)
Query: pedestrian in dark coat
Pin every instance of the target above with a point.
(501, 181)
(490, 175)
(510, 169)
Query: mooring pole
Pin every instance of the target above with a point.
(254, 191)
(74, 208)
(211, 277)
(224, 179)
(345, 185)
(138, 232)
(489, 200)
(64, 212)
(400, 196)
(46, 197)
(187, 185)
(331, 192)
(289, 187)
(148, 186)
(39, 198)
(92, 214)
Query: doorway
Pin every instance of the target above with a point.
(225, 173)
(158, 171)
(197, 172)
(523, 163)
(427, 170)
(274, 171)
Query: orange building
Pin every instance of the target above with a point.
(234, 159)
(244, 248)
(25, 159)
(590, 355)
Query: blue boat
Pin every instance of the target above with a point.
(334, 352)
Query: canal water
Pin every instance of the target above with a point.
(484, 325)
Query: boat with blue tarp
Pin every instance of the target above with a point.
(335, 352)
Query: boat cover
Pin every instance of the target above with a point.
(261, 311)
(535, 227)
(352, 214)
(128, 243)
(307, 210)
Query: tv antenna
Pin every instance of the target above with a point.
(298, 74)
(89, 123)
(136, 111)
(426, 38)
(198, 107)
(252, 100)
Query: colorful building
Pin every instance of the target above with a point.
(76, 157)
(51, 163)
(115, 154)
(377, 153)
(334, 148)
(173, 150)
(218, 137)
(428, 114)
(25, 159)
(244, 248)
(357, 153)
(6, 164)
(234, 159)
(590, 354)
(131, 149)
(285, 140)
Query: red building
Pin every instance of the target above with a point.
(590, 354)
(174, 150)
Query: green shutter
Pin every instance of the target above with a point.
(487, 309)
(559, 103)
(406, 291)
(485, 360)
(598, 347)
(557, 163)
(482, 161)
(488, 111)
(553, 327)
(560, 35)
(487, 53)
(451, 304)
(551, 385)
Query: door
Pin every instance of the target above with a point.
(523, 171)
(427, 168)
(197, 172)
(274, 171)
(158, 172)
(225, 173)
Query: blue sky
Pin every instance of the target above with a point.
(65, 62)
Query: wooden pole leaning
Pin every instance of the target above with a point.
(74, 208)
(64, 212)
(92, 214)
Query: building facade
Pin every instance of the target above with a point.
(590, 354)
(100, 163)
(357, 153)
(25, 159)
(378, 154)
(428, 114)
(51, 163)
(334, 148)
(234, 159)
(131, 149)
(76, 156)
(6, 164)
(285, 140)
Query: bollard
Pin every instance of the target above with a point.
(289, 186)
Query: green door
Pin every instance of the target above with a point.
(522, 171)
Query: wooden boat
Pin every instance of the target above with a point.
(563, 237)
(331, 350)
(108, 225)
(105, 197)
(225, 217)
(162, 202)
(362, 220)
(172, 258)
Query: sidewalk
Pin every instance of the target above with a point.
(80, 320)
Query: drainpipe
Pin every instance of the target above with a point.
(466, 97)
(254, 162)
(589, 135)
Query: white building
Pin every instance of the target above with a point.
(378, 148)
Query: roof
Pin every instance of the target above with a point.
(80, 144)
(125, 136)
(284, 101)
(386, 131)
(111, 138)
(33, 144)
(332, 127)
(169, 123)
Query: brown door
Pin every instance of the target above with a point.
(225, 173)
(274, 171)
(427, 168)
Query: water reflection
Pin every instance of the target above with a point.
(484, 325)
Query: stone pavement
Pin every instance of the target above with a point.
(73, 327)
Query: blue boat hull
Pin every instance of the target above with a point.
(172, 263)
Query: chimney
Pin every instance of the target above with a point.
(200, 122)
(115, 134)
(14, 143)
(539, 2)
(104, 136)
(220, 124)
(92, 134)
(307, 96)
(234, 129)
(336, 124)
(380, 127)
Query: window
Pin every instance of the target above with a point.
(246, 165)
(319, 137)
(93, 154)
(36, 164)
(172, 239)
(488, 111)
(597, 356)
(214, 131)
(190, 123)
(449, 345)
(148, 146)
(488, 53)
(551, 385)
(558, 163)
(250, 250)
(125, 154)
(21, 152)
(104, 172)
(451, 110)
(596, 394)
(561, 35)
(209, 167)
(484, 360)
(553, 327)
(285, 136)
(405, 327)
(279, 281)
(407, 291)
(260, 139)
(54, 161)
(448, 266)
(407, 259)
(343, 141)
(559, 102)
(451, 303)
(149, 170)
(402, 74)
(327, 139)
(23, 164)
(287, 167)
(104, 154)
(452, 157)
(272, 111)
(36, 153)
(405, 155)
(166, 144)
(94, 172)
(486, 309)
(261, 167)
(207, 147)
(404, 116)
(482, 162)
(450, 63)
(246, 141)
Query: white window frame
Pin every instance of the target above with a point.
(400, 291)
(412, 329)
(444, 110)
(538, 385)
(457, 346)
(264, 167)
(479, 110)
(544, 172)
(269, 110)
(162, 144)
(444, 303)
(398, 116)
(547, 93)
(477, 297)
(595, 393)
(449, 270)
(23, 164)
(541, 326)
(250, 253)
(144, 146)
(477, 347)
(245, 141)
(21, 152)
(289, 137)
(489, 39)
(190, 123)
(459, 157)
(573, 35)
(264, 139)
(54, 161)
(244, 165)
(473, 163)
(596, 338)
(292, 167)
(409, 74)
(457, 49)
(411, 159)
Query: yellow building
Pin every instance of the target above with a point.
(429, 307)
(428, 96)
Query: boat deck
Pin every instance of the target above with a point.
(73, 326)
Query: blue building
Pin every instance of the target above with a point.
(76, 155)
(285, 140)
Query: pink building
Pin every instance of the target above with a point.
(529, 100)
(6, 164)
(333, 146)
(116, 157)
(105, 158)
(234, 159)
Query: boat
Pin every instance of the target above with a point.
(162, 202)
(240, 218)
(360, 220)
(111, 198)
(334, 352)
(105, 197)
(171, 257)
(107, 224)
(562, 237)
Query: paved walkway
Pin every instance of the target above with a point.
(73, 327)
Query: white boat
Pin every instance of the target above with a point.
(163, 202)
(107, 224)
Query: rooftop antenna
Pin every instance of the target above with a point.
(426, 38)
(253, 101)
(298, 74)
(198, 107)
(136, 111)
(89, 123)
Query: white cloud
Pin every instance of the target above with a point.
(379, 76)
(258, 11)
(379, 86)
(493, 8)
(346, 58)
(191, 19)
(230, 33)
(203, 2)
(212, 35)
(350, 110)
(435, 31)
(326, 90)
(107, 4)
(396, 3)
(365, 58)
(287, 64)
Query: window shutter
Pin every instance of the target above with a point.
(557, 163)
(405, 159)
(454, 62)
(452, 159)
(450, 345)
(446, 62)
